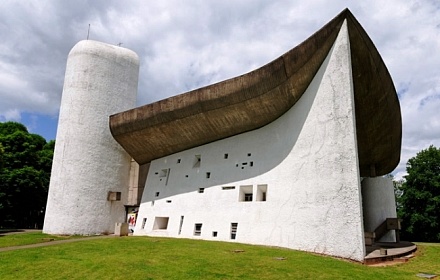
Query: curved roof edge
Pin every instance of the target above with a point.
(252, 100)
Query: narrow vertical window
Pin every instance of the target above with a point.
(144, 221)
(181, 224)
(234, 227)
(261, 192)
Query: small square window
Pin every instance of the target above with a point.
(160, 223)
(226, 156)
(198, 229)
(214, 234)
(208, 175)
(157, 194)
(179, 160)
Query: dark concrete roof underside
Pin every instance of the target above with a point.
(255, 99)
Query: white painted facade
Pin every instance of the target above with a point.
(302, 171)
(88, 163)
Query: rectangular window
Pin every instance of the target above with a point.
(228, 188)
(201, 190)
(261, 192)
(214, 234)
(197, 229)
(234, 227)
(226, 156)
(208, 175)
(157, 194)
(160, 223)
(144, 221)
(246, 193)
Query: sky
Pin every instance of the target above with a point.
(188, 44)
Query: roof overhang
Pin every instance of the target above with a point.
(257, 98)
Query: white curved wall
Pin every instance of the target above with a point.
(379, 203)
(100, 80)
(307, 158)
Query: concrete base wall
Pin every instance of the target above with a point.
(300, 173)
(379, 203)
(88, 163)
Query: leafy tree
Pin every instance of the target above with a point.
(24, 176)
(420, 197)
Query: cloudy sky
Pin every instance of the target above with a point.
(187, 44)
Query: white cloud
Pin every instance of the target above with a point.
(188, 44)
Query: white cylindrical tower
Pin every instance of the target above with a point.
(90, 170)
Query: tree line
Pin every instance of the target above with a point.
(25, 166)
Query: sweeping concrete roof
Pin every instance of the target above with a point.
(252, 100)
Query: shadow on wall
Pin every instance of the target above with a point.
(233, 159)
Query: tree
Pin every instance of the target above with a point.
(420, 197)
(26, 161)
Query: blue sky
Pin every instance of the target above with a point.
(188, 44)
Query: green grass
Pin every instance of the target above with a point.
(167, 258)
(29, 238)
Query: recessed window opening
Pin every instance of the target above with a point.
(197, 161)
(244, 163)
(236, 165)
(156, 173)
(179, 160)
(168, 201)
(201, 190)
(181, 224)
(234, 227)
(186, 176)
(197, 229)
(251, 163)
(163, 173)
(246, 193)
(160, 223)
(247, 197)
(208, 175)
(261, 192)
(249, 154)
(226, 156)
(214, 234)
(144, 221)
(228, 188)
(157, 194)
(152, 203)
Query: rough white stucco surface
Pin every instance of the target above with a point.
(379, 203)
(100, 80)
(306, 161)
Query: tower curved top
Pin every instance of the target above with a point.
(252, 100)
(91, 47)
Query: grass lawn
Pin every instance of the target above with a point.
(163, 258)
(29, 238)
